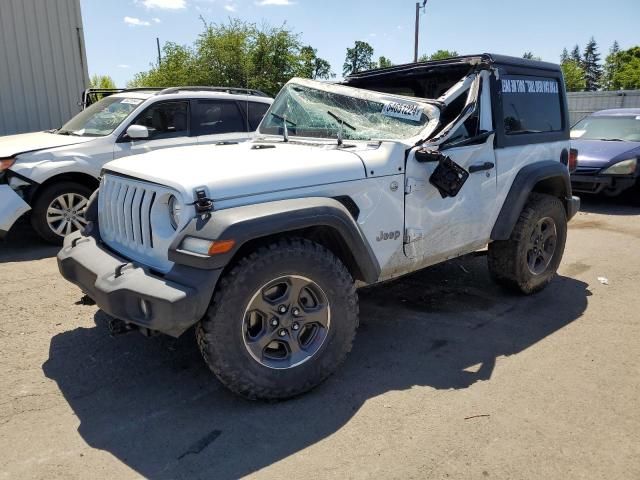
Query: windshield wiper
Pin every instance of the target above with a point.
(611, 139)
(341, 121)
(342, 124)
(284, 119)
(285, 130)
(66, 132)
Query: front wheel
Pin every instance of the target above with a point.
(282, 320)
(528, 261)
(59, 210)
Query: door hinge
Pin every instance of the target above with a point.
(413, 235)
(413, 185)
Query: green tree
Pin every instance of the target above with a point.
(384, 62)
(576, 56)
(574, 77)
(627, 72)
(611, 66)
(591, 65)
(101, 81)
(177, 68)
(312, 66)
(530, 56)
(564, 56)
(236, 54)
(358, 58)
(438, 55)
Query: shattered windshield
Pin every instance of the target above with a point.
(311, 112)
(101, 118)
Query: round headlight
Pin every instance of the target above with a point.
(174, 211)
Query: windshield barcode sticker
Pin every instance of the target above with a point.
(405, 111)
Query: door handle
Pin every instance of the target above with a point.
(478, 167)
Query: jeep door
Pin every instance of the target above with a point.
(440, 227)
(219, 121)
(168, 125)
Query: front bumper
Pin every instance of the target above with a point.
(598, 183)
(168, 303)
(12, 207)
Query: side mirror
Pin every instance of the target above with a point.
(138, 132)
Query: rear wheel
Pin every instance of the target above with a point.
(59, 210)
(283, 320)
(530, 258)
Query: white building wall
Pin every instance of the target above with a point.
(43, 65)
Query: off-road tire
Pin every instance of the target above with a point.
(220, 333)
(44, 199)
(508, 258)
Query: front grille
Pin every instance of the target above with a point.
(126, 212)
(587, 170)
(134, 221)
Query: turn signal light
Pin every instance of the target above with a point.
(573, 160)
(200, 246)
(221, 246)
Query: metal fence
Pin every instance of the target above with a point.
(43, 65)
(582, 104)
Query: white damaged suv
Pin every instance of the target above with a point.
(346, 185)
(53, 173)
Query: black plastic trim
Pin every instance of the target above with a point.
(522, 186)
(175, 301)
(252, 222)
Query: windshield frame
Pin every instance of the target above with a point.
(94, 109)
(429, 108)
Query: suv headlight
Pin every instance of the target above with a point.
(174, 211)
(625, 167)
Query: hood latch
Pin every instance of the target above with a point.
(203, 203)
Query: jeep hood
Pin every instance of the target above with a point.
(229, 171)
(12, 145)
(601, 154)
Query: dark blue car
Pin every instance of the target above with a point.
(608, 144)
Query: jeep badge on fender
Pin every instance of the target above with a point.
(388, 236)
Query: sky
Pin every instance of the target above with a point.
(120, 35)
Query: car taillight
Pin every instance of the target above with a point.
(5, 163)
(573, 160)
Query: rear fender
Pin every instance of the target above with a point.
(550, 177)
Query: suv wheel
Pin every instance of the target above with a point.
(282, 321)
(530, 258)
(59, 210)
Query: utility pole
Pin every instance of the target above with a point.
(158, 45)
(418, 7)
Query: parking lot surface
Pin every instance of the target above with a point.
(450, 377)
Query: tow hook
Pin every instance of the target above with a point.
(203, 203)
(118, 327)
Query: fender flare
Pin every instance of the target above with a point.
(555, 180)
(251, 222)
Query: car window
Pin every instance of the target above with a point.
(213, 117)
(165, 120)
(530, 104)
(256, 114)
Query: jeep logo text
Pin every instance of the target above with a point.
(388, 236)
